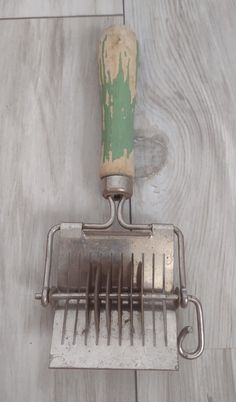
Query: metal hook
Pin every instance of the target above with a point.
(129, 226)
(186, 330)
(108, 223)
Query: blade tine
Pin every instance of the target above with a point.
(87, 301)
(108, 302)
(76, 322)
(141, 301)
(164, 302)
(77, 305)
(120, 280)
(97, 301)
(64, 322)
(65, 311)
(153, 303)
(131, 299)
(79, 272)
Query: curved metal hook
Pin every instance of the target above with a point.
(186, 330)
(107, 224)
(129, 226)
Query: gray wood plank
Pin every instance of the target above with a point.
(186, 143)
(212, 378)
(91, 386)
(46, 8)
(49, 160)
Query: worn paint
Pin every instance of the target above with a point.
(120, 166)
(118, 115)
(117, 67)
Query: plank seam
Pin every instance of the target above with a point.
(123, 7)
(60, 17)
(136, 385)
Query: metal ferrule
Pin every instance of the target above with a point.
(117, 186)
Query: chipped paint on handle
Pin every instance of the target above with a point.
(118, 75)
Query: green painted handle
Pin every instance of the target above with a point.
(117, 58)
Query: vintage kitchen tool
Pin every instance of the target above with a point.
(115, 300)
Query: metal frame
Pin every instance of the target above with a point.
(179, 297)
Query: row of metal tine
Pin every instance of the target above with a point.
(95, 295)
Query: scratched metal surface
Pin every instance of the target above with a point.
(68, 347)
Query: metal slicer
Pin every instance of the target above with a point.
(115, 297)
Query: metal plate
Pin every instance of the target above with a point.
(75, 354)
(154, 251)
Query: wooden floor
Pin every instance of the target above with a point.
(185, 146)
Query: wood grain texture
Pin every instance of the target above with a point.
(212, 378)
(186, 143)
(49, 172)
(50, 8)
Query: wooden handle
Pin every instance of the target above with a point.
(117, 59)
